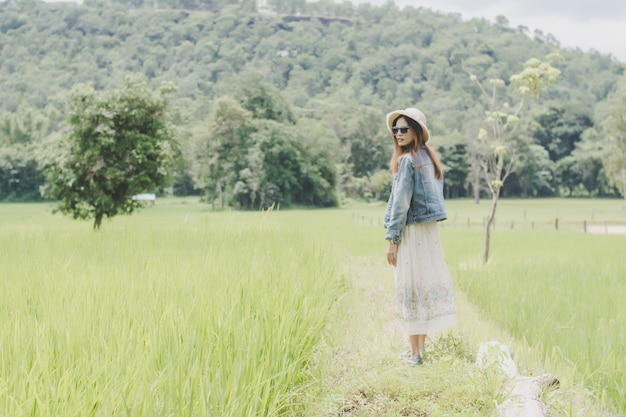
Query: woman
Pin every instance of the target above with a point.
(425, 297)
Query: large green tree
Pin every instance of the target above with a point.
(115, 144)
(220, 149)
(533, 176)
(253, 163)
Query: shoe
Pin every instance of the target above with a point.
(406, 354)
(415, 360)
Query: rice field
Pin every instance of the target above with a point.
(561, 294)
(559, 291)
(576, 215)
(180, 311)
(169, 313)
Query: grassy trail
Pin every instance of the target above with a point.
(368, 378)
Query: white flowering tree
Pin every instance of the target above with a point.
(494, 141)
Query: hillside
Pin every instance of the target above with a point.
(325, 60)
(371, 55)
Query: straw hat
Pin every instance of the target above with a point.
(411, 113)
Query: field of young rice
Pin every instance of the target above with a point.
(181, 311)
(171, 312)
(560, 291)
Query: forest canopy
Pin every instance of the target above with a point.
(307, 85)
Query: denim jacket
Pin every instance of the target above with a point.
(416, 195)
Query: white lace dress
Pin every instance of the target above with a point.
(424, 292)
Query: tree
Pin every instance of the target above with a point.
(221, 148)
(456, 165)
(616, 162)
(535, 171)
(285, 166)
(367, 144)
(20, 176)
(115, 144)
(364, 145)
(615, 159)
(498, 154)
(381, 182)
(256, 162)
(560, 129)
(263, 99)
(357, 61)
(20, 134)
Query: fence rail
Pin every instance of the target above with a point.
(584, 226)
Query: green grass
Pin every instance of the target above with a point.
(560, 292)
(170, 313)
(522, 214)
(563, 294)
(181, 311)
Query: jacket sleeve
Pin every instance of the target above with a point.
(402, 195)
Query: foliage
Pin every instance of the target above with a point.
(535, 284)
(221, 148)
(21, 133)
(534, 174)
(381, 184)
(219, 315)
(497, 153)
(20, 176)
(560, 128)
(615, 128)
(155, 342)
(116, 144)
(255, 162)
(262, 99)
(453, 153)
(318, 61)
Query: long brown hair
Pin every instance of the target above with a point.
(398, 150)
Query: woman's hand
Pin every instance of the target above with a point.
(392, 253)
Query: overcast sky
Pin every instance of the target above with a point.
(597, 24)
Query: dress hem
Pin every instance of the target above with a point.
(438, 325)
